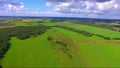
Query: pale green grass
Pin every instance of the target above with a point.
(101, 54)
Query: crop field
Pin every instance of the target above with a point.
(64, 44)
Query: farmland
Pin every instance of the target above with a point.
(45, 43)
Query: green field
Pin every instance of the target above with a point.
(91, 29)
(33, 52)
(59, 47)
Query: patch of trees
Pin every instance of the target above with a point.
(0, 66)
(21, 32)
(107, 38)
(118, 26)
(57, 41)
(4, 46)
(116, 38)
(63, 46)
(88, 34)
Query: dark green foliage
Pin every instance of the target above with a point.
(21, 32)
(4, 46)
(107, 38)
(49, 38)
(116, 38)
(57, 41)
(0, 66)
(70, 56)
(116, 26)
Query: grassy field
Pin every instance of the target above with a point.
(38, 52)
(96, 52)
(32, 52)
(91, 29)
(60, 47)
(96, 30)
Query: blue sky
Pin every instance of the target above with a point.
(61, 8)
(37, 4)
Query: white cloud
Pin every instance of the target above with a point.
(14, 7)
(87, 7)
(72, 8)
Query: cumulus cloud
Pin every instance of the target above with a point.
(10, 4)
(15, 7)
(87, 7)
(73, 8)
